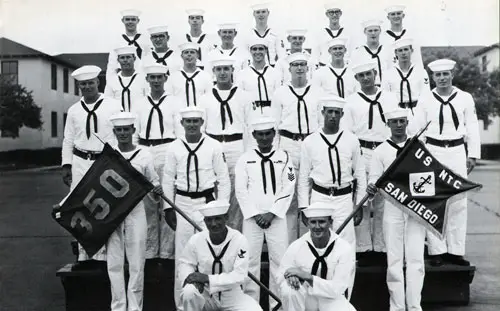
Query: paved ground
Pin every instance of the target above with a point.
(33, 246)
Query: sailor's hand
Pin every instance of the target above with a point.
(265, 220)
(157, 192)
(293, 282)
(471, 163)
(67, 177)
(358, 217)
(170, 218)
(371, 189)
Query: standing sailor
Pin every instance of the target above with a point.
(214, 265)
(130, 19)
(364, 116)
(264, 195)
(128, 86)
(297, 114)
(196, 35)
(160, 53)
(80, 148)
(262, 30)
(405, 79)
(404, 236)
(226, 108)
(157, 125)
(453, 138)
(129, 239)
(190, 82)
(336, 77)
(296, 38)
(195, 165)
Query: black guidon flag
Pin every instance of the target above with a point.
(101, 201)
(422, 187)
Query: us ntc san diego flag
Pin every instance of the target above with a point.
(107, 193)
(423, 187)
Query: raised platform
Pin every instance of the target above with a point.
(88, 289)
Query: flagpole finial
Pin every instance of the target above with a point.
(422, 130)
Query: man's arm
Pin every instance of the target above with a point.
(304, 184)
(358, 165)
(188, 261)
(472, 128)
(169, 174)
(221, 173)
(241, 182)
(68, 141)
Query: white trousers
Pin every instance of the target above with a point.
(184, 232)
(453, 241)
(301, 300)
(342, 209)
(129, 239)
(276, 237)
(369, 233)
(232, 152)
(161, 238)
(232, 300)
(404, 239)
(79, 168)
(293, 148)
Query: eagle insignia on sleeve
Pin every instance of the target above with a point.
(242, 253)
(291, 175)
(426, 80)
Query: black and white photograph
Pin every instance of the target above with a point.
(249, 155)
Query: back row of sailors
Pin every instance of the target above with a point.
(377, 45)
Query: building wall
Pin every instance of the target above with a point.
(35, 75)
(492, 58)
(492, 134)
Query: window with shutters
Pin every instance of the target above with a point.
(53, 123)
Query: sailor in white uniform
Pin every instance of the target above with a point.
(195, 165)
(190, 82)
(131, 37)
(404, 236)
(214, 265)
(80, 147)
(453, 117)
(128, 86)
(336, 76)
(315, 271)
(265, 184)
(296, 39)
(205, 41)
(129, 239)
(160, 52)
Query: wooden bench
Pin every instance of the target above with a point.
(88, 289)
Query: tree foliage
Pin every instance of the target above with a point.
(483, 86)
(17, 109)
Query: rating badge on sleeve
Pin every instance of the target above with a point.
(291, 175)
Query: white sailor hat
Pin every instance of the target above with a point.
(297, 57)
(195, 12)
(371, 22)
(188, 46)
(86, 72)
(214, 208)
(258, 41)
(319, 209)
(130, 12)
(296, 32)
(157, 29)
(332, 101)
(337, 41)
(192, 112)
(263, 123)
(402, 42)
(395, 8)
(396, 113)
(122, 118)
(442, 65)
(222, 61)
(155, 69)
(332, 5)
(362, 67)
(260, 6)
(228, 26)
(129, 49)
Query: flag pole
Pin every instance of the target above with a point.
(367, 196)
(250, 275)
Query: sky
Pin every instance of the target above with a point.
(86, 26)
